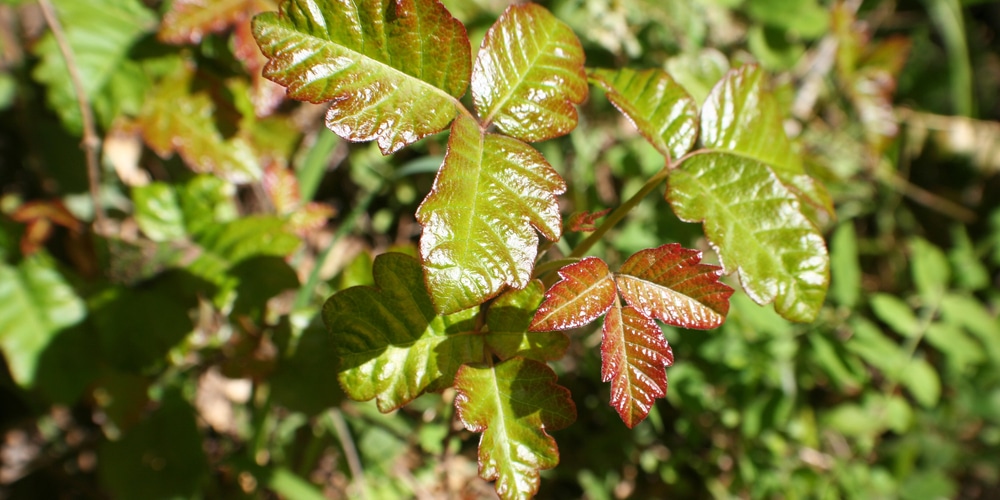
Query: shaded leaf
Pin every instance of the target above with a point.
(100, 34)
(528, 75)
(669, 283)
(173, 119)
(634, 356)
(41, 217)
(846, 269)
(896, 313)
(508, 320)
(36, 303)
(586, 291)
(390, 342)
(585, 221)
(372, 62)
(923, 382)
(188, 21)
(740, 116)
(478, 219)
(660, 109)
(756, 225)
(514, 404)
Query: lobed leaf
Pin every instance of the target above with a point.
(528, 75)
(585, 292)
(514, 404)
(670, 284)
(392, 69)
(477, 221)
(391, 344)
(508, 320)
(659, 107)
(756, 225)
(741, 117)
(634, 355)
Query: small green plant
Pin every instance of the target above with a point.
(473, 313)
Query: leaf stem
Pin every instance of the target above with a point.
(619, 213)
(91, 141)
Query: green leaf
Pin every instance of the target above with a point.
(973, 316)
(100, 34)
(806, 18)
(508, 320)
(743, 118)
(585, 291)
(756, 225)
(391, 344)
(698, 72)
(895, 313)
(923, 382)
(670, 284)
(660, 109)
(301, 381)
(970, 269)
(634, 355)
(929, 266)
(36, 303)
(188, 21)
(528, 75)
(158, 211)
(513, 404)
(846, 270)
(393, 71)
(206, 201)
(161, 457)
(478, 218)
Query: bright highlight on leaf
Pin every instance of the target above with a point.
(528, 75)
(658, 106)
(390, 343)
(668, 283)
(514, 404)
(478, 219)
(373, 62)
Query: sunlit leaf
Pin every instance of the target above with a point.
(371, 59)
(174, 119)
(478, 219)
(158, 211)
(508, 320)
(390, 342)
(930, 269)
(670, 284)
(634, 356)
(514, 404)
(528, 74)
(742, 117)
(100, 34)
(585, 221)
(282, 188)
(35, 304)
(585, 292)
(755, 224)
(660, 109)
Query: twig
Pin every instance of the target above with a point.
(336, 420)
(91, 141)
(931, 200)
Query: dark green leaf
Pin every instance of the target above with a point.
(508, 320)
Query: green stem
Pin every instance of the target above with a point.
(947, 15)
(311, 171)
(619, 213)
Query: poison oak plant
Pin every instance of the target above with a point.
(472, 313)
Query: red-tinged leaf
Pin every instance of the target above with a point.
(391, 344)
(528, 75)
(670, 284)
(53, 211)
(741, 116)
(634, 356)
(282, 188)
(265, 95)
(310, 217)
(585, 292)
(478, 219)
(188, 21)
(514, 404)
(585, 221)
(508, 320)
(659, 107)
(173, 119)
(372, 61)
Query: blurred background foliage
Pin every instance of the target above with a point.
(177, 352)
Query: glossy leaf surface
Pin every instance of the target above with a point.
(585, 292)
(478, 219)
(659, 107)
(390, 342)
(634, 356)
(393, 70)
(514, 404)
(508, 320)
(670, 284)
(529, 74)
(740, 116)
(756, 225)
